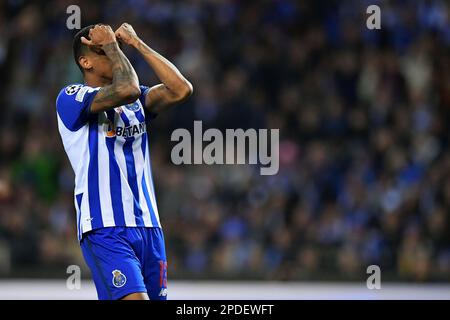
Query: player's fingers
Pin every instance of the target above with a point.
(86, 41)
(97, 28)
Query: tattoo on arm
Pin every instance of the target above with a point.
(124, 77)
(123, 72)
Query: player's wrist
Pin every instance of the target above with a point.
(135, 42)
(110, 47)
(108, 40)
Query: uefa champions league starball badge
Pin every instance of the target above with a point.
(72, 89)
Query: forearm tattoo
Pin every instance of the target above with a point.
(123, 75)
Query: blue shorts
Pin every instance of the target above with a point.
(125, 260)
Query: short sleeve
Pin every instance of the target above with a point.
(148, 115)
(73, 105)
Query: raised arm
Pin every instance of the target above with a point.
(174, 87)
(124, 88)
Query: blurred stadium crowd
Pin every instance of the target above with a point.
(364, 137)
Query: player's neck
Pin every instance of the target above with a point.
(94, 81)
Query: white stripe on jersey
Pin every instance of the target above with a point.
(149, 180)
(103, 182)
(86, 220)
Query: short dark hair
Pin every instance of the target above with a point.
(78, 47)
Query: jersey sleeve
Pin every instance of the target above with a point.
(148, 115)
(73, 105)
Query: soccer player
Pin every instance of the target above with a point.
(102, 124)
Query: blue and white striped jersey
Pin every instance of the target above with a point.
(109, 154)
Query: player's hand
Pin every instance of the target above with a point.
(100, 35)
(126, 34)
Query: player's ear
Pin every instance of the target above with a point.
(85, 63)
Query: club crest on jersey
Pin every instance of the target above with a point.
(72, 89)
(119, 279)
(133, 106)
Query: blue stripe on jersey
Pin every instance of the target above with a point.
(139, 115)
(141, 118)
(93, 189)
(131, 173)
(149, 203)
(79, 197)
(114, 178)
(144, 186)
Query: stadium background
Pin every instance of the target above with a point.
(363, 116)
